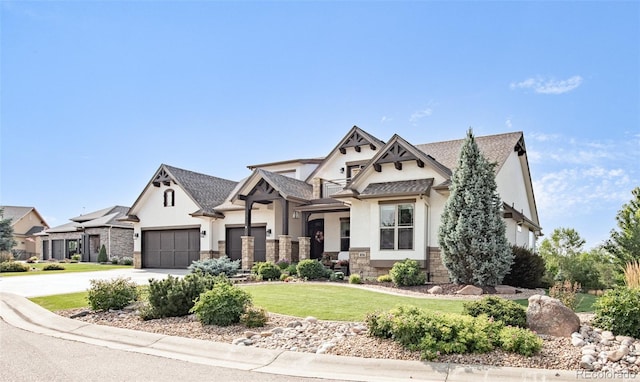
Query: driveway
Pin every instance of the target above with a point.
(44, 285)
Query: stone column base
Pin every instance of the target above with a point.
(304, 248)
(137, 260)
(285, 248)
(248, 251)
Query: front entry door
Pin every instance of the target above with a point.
(316, 230)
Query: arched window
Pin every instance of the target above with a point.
(169, 198)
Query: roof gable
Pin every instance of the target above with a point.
(356, 138)
(16, 213)
(266, 183)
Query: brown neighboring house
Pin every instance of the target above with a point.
(26, 223)
(85, 234)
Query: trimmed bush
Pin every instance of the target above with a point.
(519, 340)
(254, 317)
(283, 264)
(311, 269)
(527, 269)
(435, 333)
(13, 266)
(223, 305)
(215, 267)
(618, 310)
(33, 259)
(509, 312)
(111, 294)
(385, 278)
(174, 297)
(355, 279)
(114, 260)
(266, 270)
(77, 257)
(126, 261)
(102, 255)
(53, 267)
(407, 273)
(292, 269)
(566, 293)
(5, 256)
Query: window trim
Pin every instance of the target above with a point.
(167, 202)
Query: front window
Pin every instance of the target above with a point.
(345, 234)
(396, 226)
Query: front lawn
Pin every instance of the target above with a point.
(36, 269)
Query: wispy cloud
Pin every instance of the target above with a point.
(508, 123)
(418, 115)
(548, 86)
(385, 119)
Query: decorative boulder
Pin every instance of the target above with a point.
(470, 290)
(546, 315)
(435, 290)
(505, 289)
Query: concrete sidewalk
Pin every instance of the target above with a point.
(22, 313)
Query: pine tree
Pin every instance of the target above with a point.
(7, 241)
(102, 255)
(472, 235)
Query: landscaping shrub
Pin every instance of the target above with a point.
(13, 266)
(223, 305)
(254, 317)
(126, 261)
(283, 264)
(527, 269)
(114, 260)
(32, 259)
(519, 340)
(407, 273)
(566, 293)
(632, 274)
(618, 310)
(111, 294)
(338, 276)
(435, 333)
(266, 270)
(385, 278)
(102, 255)
(53, 267)
(507, 311)
(174, 297)
(355, 279)
(5, 256)
(292, 269)
(77, 257)
(311, 269)
(215, 267)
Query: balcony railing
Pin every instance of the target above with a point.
(333, 186)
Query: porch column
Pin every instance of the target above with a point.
(248, 247)
(304, 244)
(285, 248)
(247, 217)
(272, 250)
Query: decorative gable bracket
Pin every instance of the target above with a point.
(162, 178)
(356, 140)
(397, 154)
(520, 148)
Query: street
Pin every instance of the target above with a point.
(27, 356)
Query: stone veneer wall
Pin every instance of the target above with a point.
(439, 273)
(317, 188)
(360, 262)
(222, 248)
(121, 239)
(273, 250)
(137, 260)
(295, 252)
(248, 250)
(304, 248)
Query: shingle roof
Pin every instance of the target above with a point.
(206, 190)
(404, 187)
(106, 217)
(287, 186)
(14, 212)
(496, 148)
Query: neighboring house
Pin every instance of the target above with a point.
(85, 234)
(368, 201)
(26, 223)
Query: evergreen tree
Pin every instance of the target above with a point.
(102, 255)
(472, 235)
(624, 244)
(7, 241)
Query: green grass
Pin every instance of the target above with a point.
(335, 302)
(62, 301)
(585, 302)
(69, 268)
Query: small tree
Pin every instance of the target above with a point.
(563, 245)
(7, 242)
(102, 255)
(472, 235)
(624, 244)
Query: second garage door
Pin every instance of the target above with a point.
(170, 248)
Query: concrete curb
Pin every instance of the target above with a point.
(24, 314)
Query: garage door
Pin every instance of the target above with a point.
(170, 248)
(234, 243)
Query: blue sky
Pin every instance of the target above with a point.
(96, 95)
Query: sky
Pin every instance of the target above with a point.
(96, 95)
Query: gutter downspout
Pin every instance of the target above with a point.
(109, 241)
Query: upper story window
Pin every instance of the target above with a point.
(169, 198)
(396, 226)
